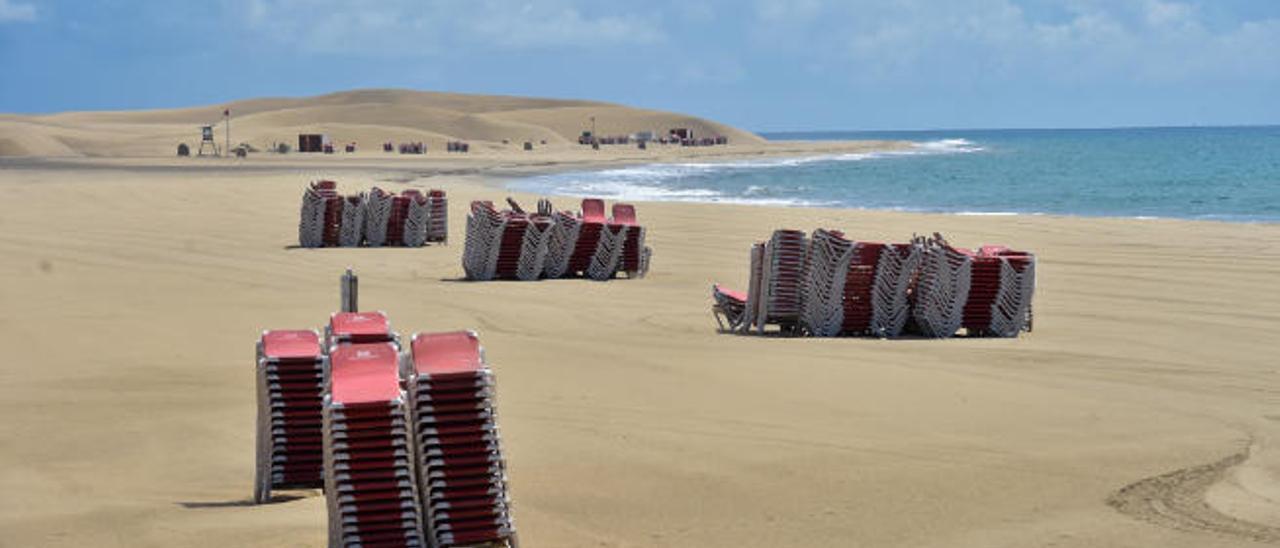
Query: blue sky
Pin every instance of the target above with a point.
(763, 65)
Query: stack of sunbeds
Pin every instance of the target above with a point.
(634, 259)
(321, 213)
(396, 218)
(437, 217)
(1001, 285)
(516, 245)
(290, 380)
(417, 218)
(368, 458)
(776, 292)
(830, 285)
(461, 470)
(377, 215)
(374, 218)
(418, 468)
(942, 288)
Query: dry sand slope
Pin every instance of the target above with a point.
(132, 297)
(368, 117)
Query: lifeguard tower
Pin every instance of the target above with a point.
(206, 140)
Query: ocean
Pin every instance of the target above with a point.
(1216, 173)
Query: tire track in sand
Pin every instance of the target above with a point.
(1177, 500)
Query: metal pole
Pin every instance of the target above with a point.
(350, 286)
(228, 145)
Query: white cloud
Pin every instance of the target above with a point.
(563, 26)
(11, 11)
(1145, 41)
(404, 26)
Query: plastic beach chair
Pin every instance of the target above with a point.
(359, 327)
(461, 469)
(635, 256)
(729, 307)
(370, 491)
(290, 381)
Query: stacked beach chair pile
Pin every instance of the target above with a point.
(828, 285)
(511, 244)
(290, 379)
(461, 471)
(368, 459)
(374, 218)
(405, 444)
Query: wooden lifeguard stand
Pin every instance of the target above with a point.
(206, 140)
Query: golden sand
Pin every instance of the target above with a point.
(133, 292)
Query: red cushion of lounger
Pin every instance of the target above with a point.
(359, 324)
(445, 353)
(624, 214)
(732, 294)
(592, 210)
(364, 373)
(290, 344)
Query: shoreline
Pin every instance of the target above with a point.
(501, 171)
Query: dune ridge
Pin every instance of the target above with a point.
(368, 117)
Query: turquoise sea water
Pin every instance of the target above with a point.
(1230, 174)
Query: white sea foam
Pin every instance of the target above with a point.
(697, 181)
(949, 146)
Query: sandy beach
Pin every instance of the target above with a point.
(133, 292)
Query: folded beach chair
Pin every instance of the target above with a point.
(942, 288)
(369, 482)
(857, 288)
(561, 244)
(534, 246)
(510, 245)
(781, 284)
(351, 226)
(377, 214)
(461, 471)
(359, 328)
(290, 380)
(485, 230)
(729, 308)
(438, 219)
(635, 255)
(321, 207)
(1001, 287)
(588, 237)
(417, 218)
(611, 242)
(334, 209)
(827, 272)
(396, 220)
(755, 277)
(896, 269)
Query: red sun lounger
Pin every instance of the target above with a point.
(729, 307)
(633, 260)
(290, 383)
(369, 476)
(457, 443)
(359, 328)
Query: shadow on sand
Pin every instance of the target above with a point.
(242, 503)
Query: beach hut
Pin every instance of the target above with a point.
(312, 142)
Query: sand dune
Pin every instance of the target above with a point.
(368, 117)
(1141, 411)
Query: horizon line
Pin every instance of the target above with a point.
(1025, 128)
